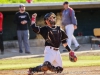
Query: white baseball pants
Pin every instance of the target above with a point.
(52, 56)
(71, 38)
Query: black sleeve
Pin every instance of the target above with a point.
(15, 18)
(37, 29)
(28, 18)
(64, 36)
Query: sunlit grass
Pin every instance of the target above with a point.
(32, 62)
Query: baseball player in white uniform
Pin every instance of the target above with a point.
(53, 36)
(70, 22)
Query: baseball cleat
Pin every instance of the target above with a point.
(76, 48)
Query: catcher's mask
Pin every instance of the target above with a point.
(51, 18)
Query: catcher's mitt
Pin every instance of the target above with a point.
(72, 56)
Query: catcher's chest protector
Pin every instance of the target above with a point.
(54, 36)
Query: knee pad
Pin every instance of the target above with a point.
(47, 63)
(49, 66)
(36, 69)
(45, 66)
(59, 69)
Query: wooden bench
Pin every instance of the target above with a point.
(96, 32)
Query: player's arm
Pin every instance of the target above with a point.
(28, 18)
(35, 28)
(73, 18)
(66, 45)
(16, 18)
(64, 38)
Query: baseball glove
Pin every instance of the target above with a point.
(72, 56)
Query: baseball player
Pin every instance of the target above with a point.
(53, 36)
(70, 22)
(22, 19)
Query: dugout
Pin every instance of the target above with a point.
(87, 13)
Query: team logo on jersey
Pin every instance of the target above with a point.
(23, 16)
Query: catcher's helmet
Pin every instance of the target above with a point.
(48, 15)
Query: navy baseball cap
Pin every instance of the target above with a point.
(65, 3)
(21, 5)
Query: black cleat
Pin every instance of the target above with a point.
(76, 48)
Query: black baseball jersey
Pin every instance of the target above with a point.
(53, 36)
(21, 17)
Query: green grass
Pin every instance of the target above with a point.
(37, 1)
(32, 62)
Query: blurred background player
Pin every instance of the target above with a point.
(22, 19)
(70, 23)
(1, 33)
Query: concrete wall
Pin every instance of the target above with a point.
(41, 42)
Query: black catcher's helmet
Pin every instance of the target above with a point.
(46, 17)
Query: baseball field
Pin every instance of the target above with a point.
(87, 64)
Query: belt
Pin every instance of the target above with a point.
(68, 24)
(54, 48)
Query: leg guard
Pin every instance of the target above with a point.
(45, 66)
(56, 69)
(49, 66)
(52, 68)
(42, 68)
(59, 69)
(36, 69)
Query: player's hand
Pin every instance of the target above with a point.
(75, 26)
(34, 15)
(33, 20)
(23, 22)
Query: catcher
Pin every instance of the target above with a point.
(53, 36)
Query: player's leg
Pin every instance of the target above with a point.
(42, 68)
(1, 44)
(58, 63)
(49, 57)
(75, 42)
(26, 41)
(52, 57)
(19, 35)
(69, 32)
